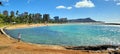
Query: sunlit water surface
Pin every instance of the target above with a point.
(69, 35)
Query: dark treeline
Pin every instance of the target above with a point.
(16, 17)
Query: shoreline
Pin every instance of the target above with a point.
(22, 26)
(33, 25)
(9, 45)
(57, 47)
(19, 26)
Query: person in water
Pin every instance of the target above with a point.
(19, 37)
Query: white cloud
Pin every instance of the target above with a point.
(84, 3)
(118, 4)
(69, 8)
(80, 4)
(63, 7)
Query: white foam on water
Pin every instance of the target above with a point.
(107, 40)
(111, 25)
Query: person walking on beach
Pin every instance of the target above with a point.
(19, 37)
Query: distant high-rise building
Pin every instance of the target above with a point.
(21, 15)
(37, 17)
(46, 17)
(25, 13)
(56, 18)
(63, 20)
(5, 13)
(12, 13)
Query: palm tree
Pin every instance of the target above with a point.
(30, 18)
(17, 12)
(0, 5)
(17, 18)
(12, 16)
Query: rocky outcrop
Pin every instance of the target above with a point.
(99, 47)
(82, 20)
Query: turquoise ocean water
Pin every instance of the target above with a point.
(69, 35)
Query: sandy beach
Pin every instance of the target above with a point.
(11, 46)
(17, 26)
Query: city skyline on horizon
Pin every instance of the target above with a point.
(100, 10)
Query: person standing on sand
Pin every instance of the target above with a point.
(19, 37)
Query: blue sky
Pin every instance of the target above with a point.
(101, 10)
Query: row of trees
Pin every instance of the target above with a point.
(24, 18)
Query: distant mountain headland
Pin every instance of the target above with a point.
(83, 20)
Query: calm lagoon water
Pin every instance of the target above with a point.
(69, 35)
